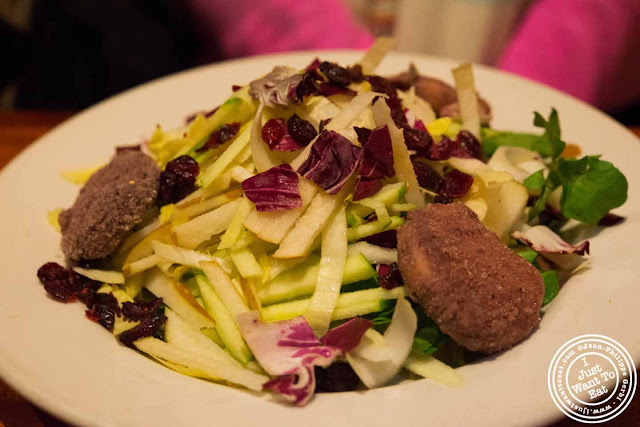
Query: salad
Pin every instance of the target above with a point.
(329, 229)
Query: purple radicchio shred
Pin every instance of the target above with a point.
(456, 184)
(377, 162)
(389, 276)
(363, 134)
(366, 187)
(178, 180)
(609, 220)
(336, 378)
(302, 131)
(136, 311)
(323, 124)
(206, 114)
(276, 135)
(427, 176)
(222, 135)
(419, 141)
(313, 65)
(274, 190)
(148, 326)
(386, 239)
(347, 336)
(332, 160)
(278, 88)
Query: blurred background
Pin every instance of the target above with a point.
(69, 54)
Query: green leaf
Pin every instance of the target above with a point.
(549, 144)
(551, 286)
(528, 254)
(552, 182)
(426, 339)
(535, 181)
(492, 139)
(591, 188)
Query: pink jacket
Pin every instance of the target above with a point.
(587, 48)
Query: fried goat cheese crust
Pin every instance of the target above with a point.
(478, 291)
(110, 204)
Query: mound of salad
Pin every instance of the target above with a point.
(259, 247)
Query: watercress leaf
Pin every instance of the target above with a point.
(549, 144)
(535, 181)
(591, 188)
(425, 339)
(551, 286)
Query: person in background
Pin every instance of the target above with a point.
(76, 52)
(587, 48)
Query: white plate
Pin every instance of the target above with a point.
(75, 369)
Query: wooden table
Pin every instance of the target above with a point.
(17, 131)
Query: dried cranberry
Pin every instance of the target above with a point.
(147, 327)
(178, 180)
(456, 184)
(273, 131)
(300, 130)
(382, 85)
(363, 134)
(84, 288)
(55, 279)
(389, 276)
(105, 317)
(308, 85)
(337, 377)
(335, 74)
(419, 141)
(228, 131)
(137, 310)
(443, 149)
(470, 143)
(355, 73)
(427, 176)
(52, 271)
(235, 88)
(397, 112)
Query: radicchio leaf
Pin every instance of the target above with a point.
(347, 336)
(278, 88)
(332, 160)
(274, 190)
(377, 162)
(386, 239)
(542, 239)
(290, 351)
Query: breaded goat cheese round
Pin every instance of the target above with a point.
(110, 204)
(478, 291)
